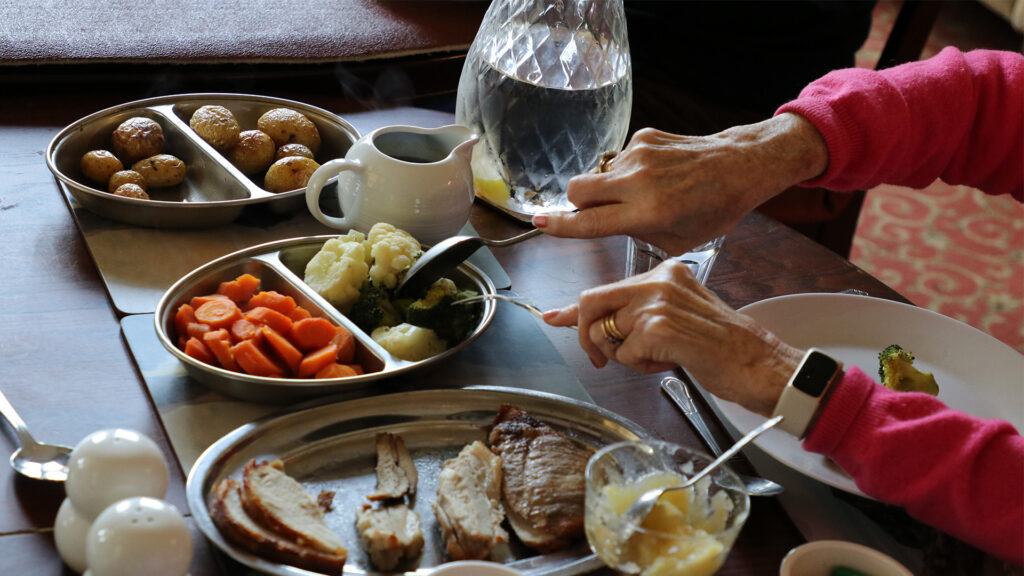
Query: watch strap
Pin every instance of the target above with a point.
(802, 398)
(798, 408)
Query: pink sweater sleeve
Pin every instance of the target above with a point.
(956, 116)
(960, 474)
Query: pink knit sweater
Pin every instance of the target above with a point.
(959, 117)
(956, 116)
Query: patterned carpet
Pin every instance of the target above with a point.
(952, 249)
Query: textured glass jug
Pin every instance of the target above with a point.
(547, 85)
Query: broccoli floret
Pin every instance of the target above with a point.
(374, 308)
(441, 288)
(897, 371)
(435, 311)
(463, 294)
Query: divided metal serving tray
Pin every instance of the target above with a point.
(280, 266)
(331, 447)
(214, 191)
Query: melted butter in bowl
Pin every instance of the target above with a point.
(688, 533)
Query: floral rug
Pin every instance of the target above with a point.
(952, 249)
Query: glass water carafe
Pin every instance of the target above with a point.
(547, 85)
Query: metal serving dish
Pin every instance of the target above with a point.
(280, 266)
(214, 191)
(331, 447)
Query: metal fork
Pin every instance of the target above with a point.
(679, 392)
(525, 304)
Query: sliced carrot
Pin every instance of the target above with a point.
(346, 345)
(273, 300)
(196, 349)
(283, 348)
(218, 313)
(198, 301)
(312, 333)
(357, 367)
(253, 360)
(243, 329)
(240, 289)
(299, 313)
(269, 317)
(335, 371)
(196, 330)
(185, 314)
(219, 343)
(316, 360)
(249, 281)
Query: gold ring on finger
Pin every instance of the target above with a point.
(606, 162)
(611, 331)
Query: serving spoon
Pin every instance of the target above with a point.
(35, 459)
(638, 511)
(446, 255)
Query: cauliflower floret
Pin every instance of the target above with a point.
(391, 251)
(339, 269)
(409, 342)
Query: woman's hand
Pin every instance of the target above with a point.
(678, 192)
(668, 320)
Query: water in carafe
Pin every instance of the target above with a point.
(548, 98)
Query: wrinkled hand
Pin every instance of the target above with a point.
(678, 192)
(668, 320)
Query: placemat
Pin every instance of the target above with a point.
(138, 265)
(513, 352)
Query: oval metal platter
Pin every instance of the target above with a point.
(214, 191)
(331, 447)
(280, 266)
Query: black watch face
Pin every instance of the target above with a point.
(815, 374)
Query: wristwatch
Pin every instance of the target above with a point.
(804, 395)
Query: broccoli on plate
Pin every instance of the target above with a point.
(897, 371)
(435, 310)
(374, 308)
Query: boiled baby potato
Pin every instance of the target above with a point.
(294, 149)
(125, 177)
(129, 190)
(137, 138)
(289, 173)
(99, 165)
(253, 152)
(216, 125)
(286, 126)
(161, 170)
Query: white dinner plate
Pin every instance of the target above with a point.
(976, 373)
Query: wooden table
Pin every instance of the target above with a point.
(68, 371)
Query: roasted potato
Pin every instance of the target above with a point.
(286, 126)
(253, 152)
(294, 149)
(129, 190)
(216, 125)
(161, 170)
(289, 173)
(99, 165)
(137, 138)
(125, 177)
